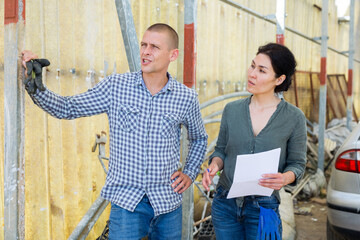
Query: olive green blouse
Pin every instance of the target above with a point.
(286, 129)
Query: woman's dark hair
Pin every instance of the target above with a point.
(282, 61)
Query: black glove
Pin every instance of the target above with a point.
(34, 81)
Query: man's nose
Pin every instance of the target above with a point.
(147, 50)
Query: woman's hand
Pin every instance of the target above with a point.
(215, 166)
(277, 180)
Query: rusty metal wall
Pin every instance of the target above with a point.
(83, 41)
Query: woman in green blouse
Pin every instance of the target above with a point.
(256, 124)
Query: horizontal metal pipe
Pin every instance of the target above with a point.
(214, 114)
(207, 121)
(265, 18)
(223, 97)
(88, 217)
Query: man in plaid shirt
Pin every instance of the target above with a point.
(145, 110)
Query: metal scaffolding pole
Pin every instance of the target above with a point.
(189, 80)
(322, 98)
(128, 32)
(14, 123)
(280, 21)
(351, 64)
(190, 43)
(267, 19)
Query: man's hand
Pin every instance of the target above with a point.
(33, 71)
(27, 55)
(182, 182)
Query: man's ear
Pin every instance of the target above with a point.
(174, 54)
(280, 80)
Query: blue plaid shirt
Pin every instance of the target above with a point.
(144, 135)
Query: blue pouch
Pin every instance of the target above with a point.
(268, 228)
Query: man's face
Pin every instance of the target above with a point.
(155, 52)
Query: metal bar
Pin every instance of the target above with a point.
(188, 195)
(202, 191)
(312, 90)
(342, 91)
(190, 10)
(214, 114)
(207, 121)
(128, 32)
(351, 63)
(280, 21)
(224, 97)
(14, 122)
(258, 15)
(322, 97)
(190, 43)
(93, 220)
(91, 216)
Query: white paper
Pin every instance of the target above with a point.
(248, 171)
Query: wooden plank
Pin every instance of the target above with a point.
(55, 184)
(36, 185)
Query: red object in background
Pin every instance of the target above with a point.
(11, 13)
(323, 71)
(189, 55)
(280, 38)
(349, 161)
(349, 88)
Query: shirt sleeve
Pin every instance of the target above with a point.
(197, 137)
(95, 101)
(296, 150)
(222, 139)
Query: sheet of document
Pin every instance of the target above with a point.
(248, 171)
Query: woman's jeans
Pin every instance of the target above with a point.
(233, 222)
(142, 222)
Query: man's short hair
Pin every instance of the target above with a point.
(162, 27)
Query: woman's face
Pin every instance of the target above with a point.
(261, 76)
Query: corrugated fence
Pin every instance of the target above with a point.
(83, 41)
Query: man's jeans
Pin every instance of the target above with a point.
(142, 222)
(233, 222)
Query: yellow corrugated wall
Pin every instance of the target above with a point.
(63, 176)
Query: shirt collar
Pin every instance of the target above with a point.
(169, 85)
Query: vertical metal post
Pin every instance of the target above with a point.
(322, 99)
(280, 21)
(14, 171)
(190, 43)
(128, 32)
(189, 80)
(351, 64)
(188, 195)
